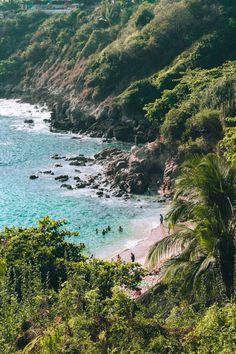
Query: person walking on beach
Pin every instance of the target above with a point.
(118, 258)
(161, 219)
(132, 257)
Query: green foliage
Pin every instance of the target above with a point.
(90, 311)
(16, 32)
(206, 123)
(197, 90)
(97, 41)
(215, 332)
(35, 53)
(205, 198)
(43, 250)
(193, 147)
(9, 68)
(174, 124)
(173, 62)
(228, 144)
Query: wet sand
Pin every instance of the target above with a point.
(142, 248)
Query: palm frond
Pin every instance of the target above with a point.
(170, 245)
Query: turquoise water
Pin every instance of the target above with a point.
(24, 151)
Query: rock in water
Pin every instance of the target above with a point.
(28, 121)
(67, 186)
(62, 178)
(33, 177)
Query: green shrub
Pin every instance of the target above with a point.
(174, 124)
(215, 333)
(228, 144)
(207, 123)
(193, 147)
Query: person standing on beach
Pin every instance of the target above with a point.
(161, 219)
(132, 257)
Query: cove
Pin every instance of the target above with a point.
(25, 149)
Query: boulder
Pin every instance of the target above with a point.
(107, 153)
(81, 184)
(121, 164)
(67, 186)
(29, 121)
(48, 172)
(48, 121)
(33, 177)
(57, 157)
(62, 178)
(77, 163)
(124, 133)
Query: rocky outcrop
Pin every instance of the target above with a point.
(29, 121)
(171, 171)
(105, 120)
(62, 178)
(137, 171)
(119, 173)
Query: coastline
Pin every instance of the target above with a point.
(138, 216)
(141, 249)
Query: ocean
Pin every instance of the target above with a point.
(26, 150)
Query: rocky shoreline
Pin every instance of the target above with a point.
(115, 173)
(146, 169)
(104, 119)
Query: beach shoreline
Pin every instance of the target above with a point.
(141, 249)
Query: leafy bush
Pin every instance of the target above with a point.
(215, 332)
(174, 124)
(193, 147)
(228, 144)
(206, 123)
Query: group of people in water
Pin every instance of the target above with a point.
(108, 229)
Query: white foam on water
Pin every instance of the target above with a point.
(16, 108)
(21, 111)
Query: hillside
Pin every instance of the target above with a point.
(162, 73)
(130, 69)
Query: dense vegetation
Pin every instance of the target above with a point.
(54, 299)
(168, 62)
(205, 198)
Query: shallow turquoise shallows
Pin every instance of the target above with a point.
(25, 150)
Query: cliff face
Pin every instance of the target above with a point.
(128, 69)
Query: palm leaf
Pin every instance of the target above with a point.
(170, 245)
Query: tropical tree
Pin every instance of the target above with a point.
(205, 198)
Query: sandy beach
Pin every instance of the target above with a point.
(142, 248)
